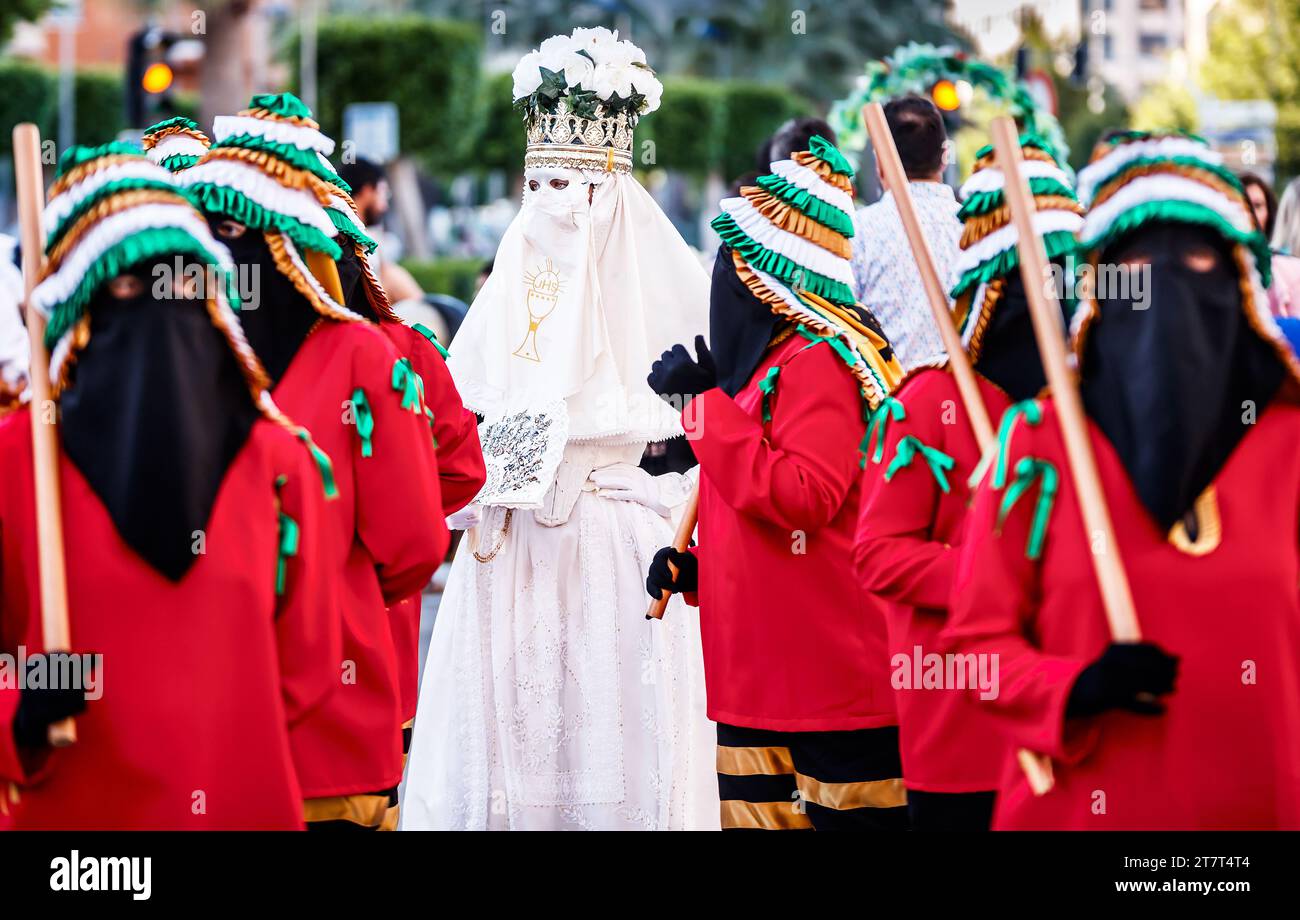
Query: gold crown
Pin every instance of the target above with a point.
(566, 140)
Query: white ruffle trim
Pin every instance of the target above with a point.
(1005, 238)
(809, 181)
(340, 204)
(260, 188)
(993, 180)
(67, 201)
(176, 145)
(796, 248)
(1092, 176)
(281, 132)
(1162, 187)
(112, 230)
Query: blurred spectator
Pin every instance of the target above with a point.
(1263, 204)
(886, 280)
(483, 274)
(794, 136)
(1284, 293)
(371, 194)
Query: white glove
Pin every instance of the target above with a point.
(466, 518)
(627, 483)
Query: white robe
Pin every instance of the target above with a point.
(548, 700)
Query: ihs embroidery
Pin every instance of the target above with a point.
(544, 286)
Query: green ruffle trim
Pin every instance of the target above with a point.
(180, 121)
(1222, 172)
(429, 334)
(294, 156)
(108, 190)
(807, 203)
(178, 162)
(829, 154)
(987, 202)
(1057, 243)
(773, 263)
(286, 105)
(76, 155)
(1026, 140)
(139, 247)
(1128, 137)
(239, 207)
(349, 229)
(1185, 212)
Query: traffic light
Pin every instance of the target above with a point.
(149, 76)
(945, 96)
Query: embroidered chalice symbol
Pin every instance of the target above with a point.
(544, 287)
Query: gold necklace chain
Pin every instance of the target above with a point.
(501, 541)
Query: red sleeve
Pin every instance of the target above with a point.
(895, 555)
(308, 625)
(399, 505)
(461, 472)
(994, 603)
(800, 475)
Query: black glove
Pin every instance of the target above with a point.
(678, 378)
(1116, 680)
(39, 709)
(661, 577)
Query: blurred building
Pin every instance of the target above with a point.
(1134, 44)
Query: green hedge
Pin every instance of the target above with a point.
(429, 68)
(446, 276)
(709, 126)
(31, 93)
(502, 141)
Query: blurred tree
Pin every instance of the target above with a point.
(29, 95)
(1165, 105)
(13, 12)
(1255, 54)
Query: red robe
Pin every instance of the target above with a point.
(202, 680)
(791, 640)
(905, 554)
(1226, 753)
(461, 475)
(388, 539)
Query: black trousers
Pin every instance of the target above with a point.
(849, 780)
(950, 811)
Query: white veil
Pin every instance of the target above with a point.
(582, 299)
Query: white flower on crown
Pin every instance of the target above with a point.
(528, 74)
(591, 59)
(595, 42)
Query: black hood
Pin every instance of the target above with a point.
(1175, 377)
(276, 318)
(156, 411)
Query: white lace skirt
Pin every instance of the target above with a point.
(548, 700)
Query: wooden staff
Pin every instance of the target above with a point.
(681, 541)
(1049, 330)
(45, 443)
(1037, 768)
(1050, 333)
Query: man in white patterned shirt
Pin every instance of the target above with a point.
(886, 280)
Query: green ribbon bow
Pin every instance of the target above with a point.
(847, 355)
(407, 382)
(1028, 471)
(323, 463)
(1032, 412)
(878, 425)
(908, 449)
(288, 546)
(429, 334)
(365, 421)
(767, 386)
